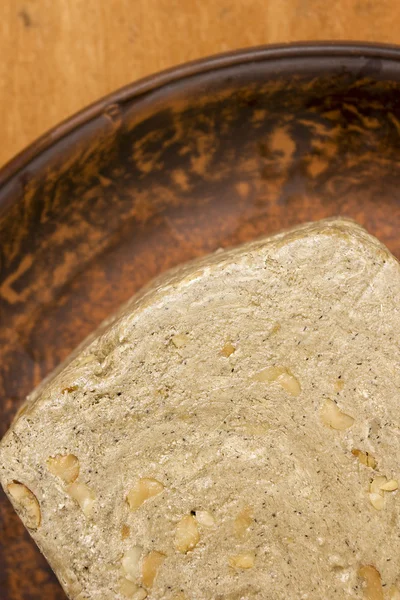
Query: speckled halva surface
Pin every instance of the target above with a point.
(249, 388)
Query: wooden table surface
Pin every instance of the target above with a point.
(59, 55)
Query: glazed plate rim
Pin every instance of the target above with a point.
(180, 72)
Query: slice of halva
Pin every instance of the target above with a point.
(233, 433)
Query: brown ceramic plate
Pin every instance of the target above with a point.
(206, 155)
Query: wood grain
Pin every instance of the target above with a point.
(57, 56)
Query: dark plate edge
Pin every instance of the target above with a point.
(189, 69)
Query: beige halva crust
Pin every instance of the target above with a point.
(232, 434)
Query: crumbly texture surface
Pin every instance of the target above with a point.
(232, 434)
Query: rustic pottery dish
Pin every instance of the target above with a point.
(206, 155)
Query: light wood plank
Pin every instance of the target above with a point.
(57, 56)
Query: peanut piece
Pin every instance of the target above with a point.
(365, 458)
(372, 581)
(26, 504)
(243, 521)
(390, 486)
(281, 375)
(125, 531)
(131, 590)
(131, 563)
(227, 350)
(187, 534)
(242, 561)
(269, 374)
(151, 563)
(289, 383)
(84, 496)
(377, 483)
(333, 417)
(64, 466)
(144, 489)
(377, 501)
(205, 518)
(127, 588)
(378, 486)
